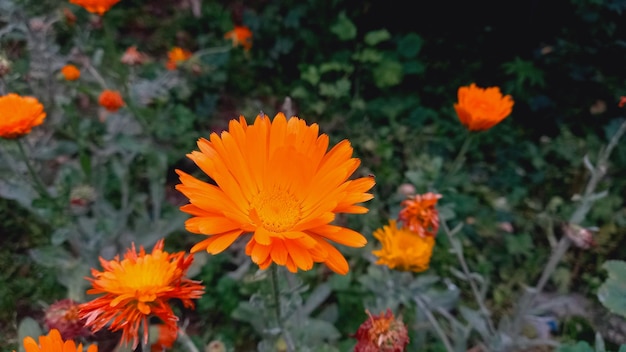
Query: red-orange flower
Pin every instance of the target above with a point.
(166, 336)
(18, 115)
(132, 56)
(53, 342)
(480, 109)
(138, 287)
(70, 72)
(176, 56)
(240, 35)
(277, 180)
(420, 215)
(96, 6)
(382, 333)
(111, 100)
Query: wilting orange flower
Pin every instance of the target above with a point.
(132, 56)
(138, 287)
(63, 316)
(278, 181)
(480, 109)
(240, 35)
(95, 6)
(111, 100)
(53, 342)
(176, 56)
(403, 249)
(70, 72)
(18, 115)
(420, 215)
(382, 333)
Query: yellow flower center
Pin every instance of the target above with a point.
(146, 277)
(278, 210)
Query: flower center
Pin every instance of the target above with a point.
(278, 210)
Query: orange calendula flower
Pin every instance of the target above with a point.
(53, 342)
(480, 109)
(403, 249)
(18, 115)
(277, 180)
(176, 56)
(138, 287)
(70, 72)
(420, 215)
(111, 100)
(240, 35)
(382, 333)
(95, 6)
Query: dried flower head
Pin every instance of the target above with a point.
(480, 109)
(18, 115)
(420, 215)
(382, 333)
(176, 56)
(240, 35)
(132, 56)
(70, 72)
(70, 17)
(277, 180)
(581, 237)
(111, 100)
(95, 6)
(53, 342)
(403, 249)
(63, 316)
(138, 287)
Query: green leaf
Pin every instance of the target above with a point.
(581, 346)
(28, 327)
(410, 45)
(368, 55)
(388, 73)
(344, 28)
(375, 37)
(612, 292)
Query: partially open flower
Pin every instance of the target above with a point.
(420, 214)
(382, 333)
(480, 109)
(53, 342)
(240, 35)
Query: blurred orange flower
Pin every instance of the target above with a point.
(277, 180)
(138, 287)
(240, 35)
(382, 333)
(480, 109)
(111, 100)
(167, 335)
(176, 56)
(70, 72)
(403, 249)
(53, 342)
(132, 56)
(95, 6)
(420, 215)
(18, 115)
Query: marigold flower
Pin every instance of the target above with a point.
(63, 316)
(420, 215)
(53, 342)
(138, 287)
(240, 35)
(403, 249)
(382, 333)
(132, 56)
(18, 115)
(95, 6)
(480, 109)
(70, 72)
(277, 181)
(176, 56)
(111, 100)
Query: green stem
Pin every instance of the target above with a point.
(38, 183)
(277, 309)
(435, 324)
(460, 157)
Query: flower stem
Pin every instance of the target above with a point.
(435, 324)
(277, 309)
(39, 186)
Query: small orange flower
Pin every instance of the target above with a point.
(480, 109)
(111, 100)
(176, 56)
(138, 287)
(70, 72)
(132, 56)
(18, 115)
(420, 215)
(240, 35)
(277, 180)
(622, 102)
(53, 342)
(403, 249)
(95, 6)
(167, 335)
(382, 333)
